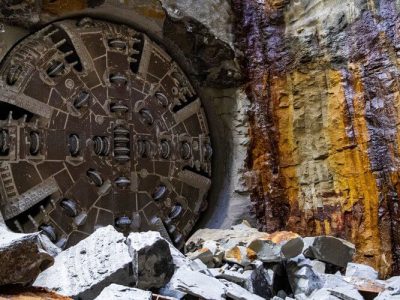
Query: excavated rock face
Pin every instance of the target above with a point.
(325, 140)
(98, 126)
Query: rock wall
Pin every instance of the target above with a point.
(323, 83)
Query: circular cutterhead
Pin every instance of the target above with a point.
(102, 127)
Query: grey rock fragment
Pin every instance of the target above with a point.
(178, 258)
(120, 292)
(236, 292)
(346, 293)
(198, 266)
(302, 277)
(152, 260)
(322, 294)
(225, 238)
(333, 281)
(204, 254)
(329, 249)
(258, 280)
(318, 266)
(268, 251)
(85, 269)
(392, 289)
(22, 257)
(197, 284)
(362, 271)
(168, 291)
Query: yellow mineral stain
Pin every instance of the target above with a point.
(350, 166)
(151, 11)
(283, 105)
(251, 254)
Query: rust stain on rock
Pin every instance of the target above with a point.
(324, 134)
(59, 7)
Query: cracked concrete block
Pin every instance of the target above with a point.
(362, 271)
(120, 292)
(152, 261)
(329, 249)
(85, 269)
(22, 257)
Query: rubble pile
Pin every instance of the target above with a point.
(240, 263)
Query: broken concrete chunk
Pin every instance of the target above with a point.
(152, 260)
(22, 257)
(85, 269)
(330, 249)
(197, 284)
(120, 292)
(236, 292)
(362, 271)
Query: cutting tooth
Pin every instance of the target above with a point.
(60, 43)
(33, 221)
(18, 225)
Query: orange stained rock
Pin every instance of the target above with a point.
(251, 254)
(282, 236)
(59, 7)
(234, 253)
(152, 11)
(350, 166)
(202, 250)
(284, 112)
(31, 294)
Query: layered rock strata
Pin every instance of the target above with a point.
(324, 120)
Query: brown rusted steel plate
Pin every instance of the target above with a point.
(98, 126)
